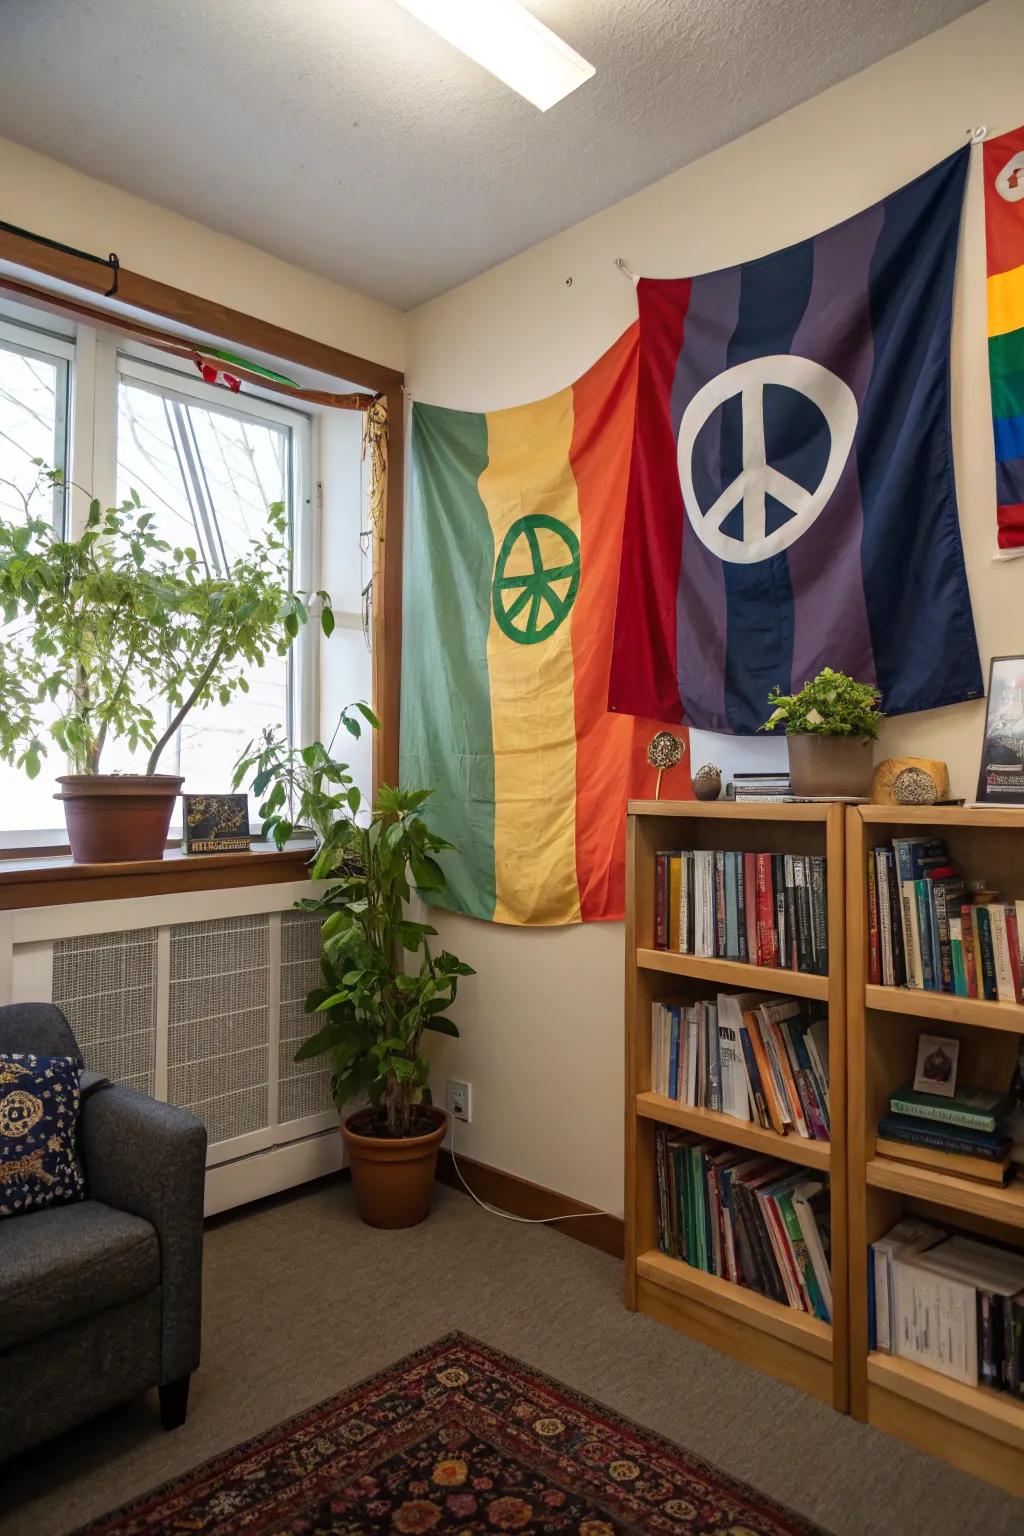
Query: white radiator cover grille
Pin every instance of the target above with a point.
(304, 1087)
(106, 983)
(218, 1039)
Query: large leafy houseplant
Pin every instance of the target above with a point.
(383, 986)
(116, 622)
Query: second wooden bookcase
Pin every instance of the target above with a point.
(793, 1346)
(972, 1426)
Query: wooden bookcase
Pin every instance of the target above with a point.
(973, 1427)
(791, 1345)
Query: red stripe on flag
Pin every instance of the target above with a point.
(611, 754)
(1011, 526)
(643, 680)
(1004, 221)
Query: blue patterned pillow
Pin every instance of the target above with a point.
(39, 1097)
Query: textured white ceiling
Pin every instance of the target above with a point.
(345, 137)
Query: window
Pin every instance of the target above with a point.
(209, 472)
(35, 382)
(207, 463)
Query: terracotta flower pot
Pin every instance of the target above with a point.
(830, 765)
(394, 1177)
(115, 817)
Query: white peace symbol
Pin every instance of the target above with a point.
(1010, 181)
(757, 479)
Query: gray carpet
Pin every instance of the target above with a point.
(302, 1300)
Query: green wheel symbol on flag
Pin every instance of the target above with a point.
(536, 596)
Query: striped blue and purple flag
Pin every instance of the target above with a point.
(791, 501)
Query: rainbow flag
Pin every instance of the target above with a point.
(1004, 238)
(511, 573)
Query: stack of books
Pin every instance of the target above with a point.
(967, 1134)
(757, 1058)
(761, 787)
(749, 1219)
(768, 909)
(927, 930)
(953, 1304)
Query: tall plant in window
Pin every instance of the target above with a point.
(109, 623)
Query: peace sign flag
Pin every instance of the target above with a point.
(791, 501)
(515, 528)
(1003, 160)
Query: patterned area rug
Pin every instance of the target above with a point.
(455, 1438)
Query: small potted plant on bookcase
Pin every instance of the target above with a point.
(375, 1009)
(830, 726)
(116, 635)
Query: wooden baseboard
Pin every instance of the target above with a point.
(521, 1198)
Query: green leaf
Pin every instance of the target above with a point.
(327, 621)
(442, 1026)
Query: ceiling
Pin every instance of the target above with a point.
(345, 137)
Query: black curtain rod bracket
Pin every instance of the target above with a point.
(110, 261)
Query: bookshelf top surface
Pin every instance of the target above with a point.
(944, 815)
(729, 810)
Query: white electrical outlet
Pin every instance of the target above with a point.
(457, 1099)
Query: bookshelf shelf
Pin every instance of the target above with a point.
(793, 1346)
(988, 1201)
(741, 1133)
(942, 1005)
(974, 1427)
(734, 973)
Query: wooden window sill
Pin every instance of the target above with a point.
(56, 880)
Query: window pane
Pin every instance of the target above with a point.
(208, 476)
(33, 397)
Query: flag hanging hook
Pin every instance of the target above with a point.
(976, 134)
(626, 271)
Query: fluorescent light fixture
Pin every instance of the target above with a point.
(504, 37)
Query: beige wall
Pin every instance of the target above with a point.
(543, 1020)
(51, 199)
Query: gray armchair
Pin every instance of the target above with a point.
(100, 1299)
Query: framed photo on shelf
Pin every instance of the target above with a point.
(1001, 775)
(936, 1065)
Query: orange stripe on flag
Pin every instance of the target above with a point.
(611, 758)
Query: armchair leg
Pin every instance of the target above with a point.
(174, 1402)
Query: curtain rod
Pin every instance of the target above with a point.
(110, 261)
(167, 341)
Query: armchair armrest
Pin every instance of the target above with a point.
(150, 1159)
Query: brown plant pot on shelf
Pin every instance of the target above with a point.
(115, 818)
(393, 1177)
(830, 765)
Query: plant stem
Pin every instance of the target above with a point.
(204, 678)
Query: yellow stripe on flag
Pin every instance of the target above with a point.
(1006, 301)
(530, 496)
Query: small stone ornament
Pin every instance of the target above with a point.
(914, 787)
(664, 751)
(707, 782)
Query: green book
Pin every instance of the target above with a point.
(976, 1109)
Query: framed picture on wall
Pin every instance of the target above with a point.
(1001, 775)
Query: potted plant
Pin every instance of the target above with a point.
(830, 725)
(106, 625)
(376, 1010)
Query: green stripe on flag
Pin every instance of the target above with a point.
(1006, 354)
(446, 741)
(1008, 395)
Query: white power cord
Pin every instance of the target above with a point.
(529, 1221)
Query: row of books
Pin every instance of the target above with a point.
(927, 930)
(753, 1220)
(968, 1134)
(951, 1303)
(757, 1058)
(766, 909)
